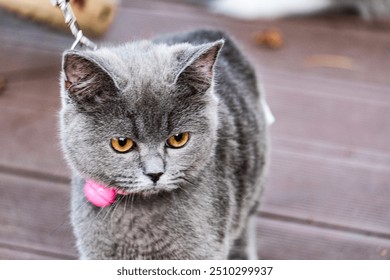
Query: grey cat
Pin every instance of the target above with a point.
(176, 125)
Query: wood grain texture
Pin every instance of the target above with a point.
(333, 113)
(317, 189)
(327, 193)
(29, 126)
(283, 240)
(9, 254)
(34, 215)
(31, 35)
(27, 63)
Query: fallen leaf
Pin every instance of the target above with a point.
(270, 38)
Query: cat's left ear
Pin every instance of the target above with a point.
(199, 68)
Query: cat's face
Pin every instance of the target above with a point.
(140, 117)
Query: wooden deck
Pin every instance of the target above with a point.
(328, 193)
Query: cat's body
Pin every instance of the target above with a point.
(263, 9)
(207, 192)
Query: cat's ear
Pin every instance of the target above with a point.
(198, 70)
(85, 81)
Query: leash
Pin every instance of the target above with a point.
(70, 20)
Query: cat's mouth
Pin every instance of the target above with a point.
(144, 191)
(122, 191)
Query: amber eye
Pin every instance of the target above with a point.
(122, 144)
(178, 140)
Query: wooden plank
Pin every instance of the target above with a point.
(34, 215)
(355, 122)
(341, 155)
(8, 254)
(357, 90)
(328, 191)
(21, 62)
(16, 253)
(29, 127)
(26, 64)
(343, 37)
(290, 241)
(28, 34)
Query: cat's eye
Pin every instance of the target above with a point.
(122, 144)
(178, 140)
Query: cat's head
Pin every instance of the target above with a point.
(142, 116)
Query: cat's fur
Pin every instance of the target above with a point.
(203, 204)
(268, 9)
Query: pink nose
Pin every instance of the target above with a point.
(98, 194)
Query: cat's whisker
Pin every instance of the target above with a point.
(125, 204)
(101, 210)
(91, 222)
(125, 177)
(83, 204)
(182, 188)
(188, 181)
(119, 183)
(131, 211)
(123, 180)
(112, 208)
(109, 209)
(65, 221)
(115, 207)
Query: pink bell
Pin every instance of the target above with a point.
(98, 194)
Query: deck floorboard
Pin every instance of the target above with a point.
(328, 188)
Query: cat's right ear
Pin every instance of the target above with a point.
(85, 81)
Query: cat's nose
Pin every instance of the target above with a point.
(154, 176)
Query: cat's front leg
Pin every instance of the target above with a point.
(244, 247)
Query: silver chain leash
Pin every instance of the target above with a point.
(70, 20)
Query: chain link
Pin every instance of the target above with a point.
(70, 20)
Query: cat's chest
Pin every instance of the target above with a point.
(143, 240)
(139, 232)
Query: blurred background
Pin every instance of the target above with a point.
(327, 80)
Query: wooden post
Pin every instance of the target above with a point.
(93, 16)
